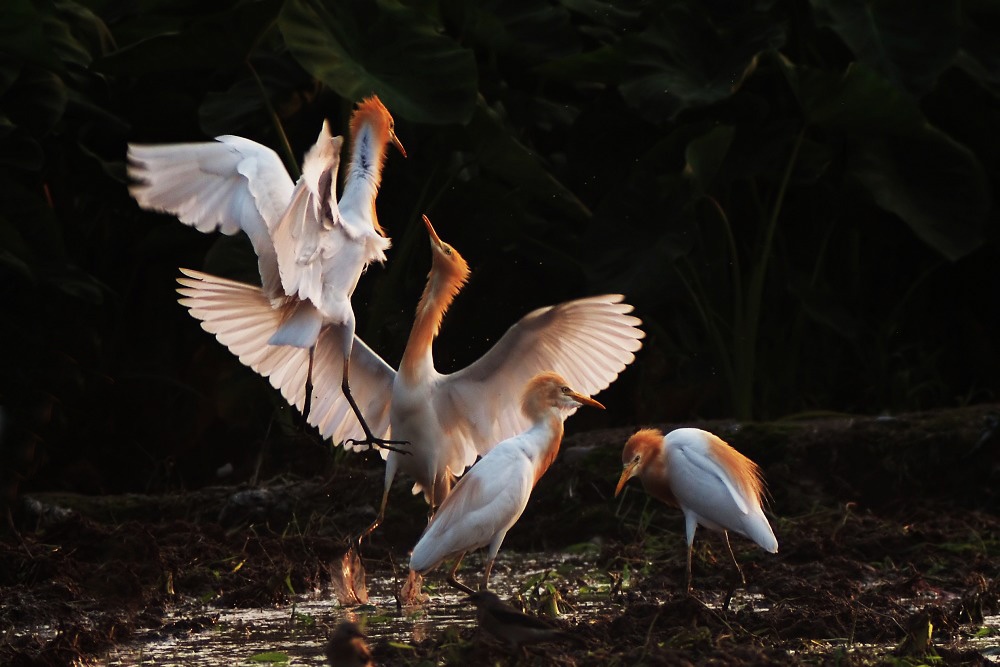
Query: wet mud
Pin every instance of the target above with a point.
(889, 535)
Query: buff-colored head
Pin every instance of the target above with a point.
(448, 263)
(641, 449)
(373, 113)
(549, 390)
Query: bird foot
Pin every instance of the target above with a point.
(459, 585)
(372, 441)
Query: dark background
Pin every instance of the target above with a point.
(797, 197)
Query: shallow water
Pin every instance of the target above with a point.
(200, 635)
(298, 630)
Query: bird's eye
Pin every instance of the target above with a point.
(565, 390)
(636, 459)
(447, 250)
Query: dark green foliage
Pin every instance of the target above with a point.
(797, 196)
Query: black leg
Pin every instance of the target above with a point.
(370, 438)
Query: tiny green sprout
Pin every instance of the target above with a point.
(270, 657)
(307, 620)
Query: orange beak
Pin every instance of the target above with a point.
(435, 239)
(585, 400)
(396, 142)
(627, 474)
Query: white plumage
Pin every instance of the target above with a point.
(448, 419)
(311, 248)
(491, 496)
(714, 485)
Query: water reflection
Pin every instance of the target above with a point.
(298, 631)
(205, 636)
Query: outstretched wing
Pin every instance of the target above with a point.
(587, 341)
(242, 319)
(230, 184)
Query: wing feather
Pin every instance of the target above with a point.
(230, 184)
(488, 499)
(588, 341)
(698, 454)
(303, 230)
(242, 319)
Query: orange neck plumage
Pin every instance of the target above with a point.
(551, 449)
(444, 282)
(370, 135)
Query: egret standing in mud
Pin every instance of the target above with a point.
(712, 483)
(491, 496)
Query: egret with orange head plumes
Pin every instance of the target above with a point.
(713, 484)
(448, 419)
(311, 248)
(491, 496)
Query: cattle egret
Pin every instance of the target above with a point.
(311, 249)
(448, 419)
(712, 483)
(491, 496)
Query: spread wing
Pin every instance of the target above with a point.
(587, 341)
(242, 319)
(230, 184)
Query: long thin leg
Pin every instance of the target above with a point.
(307, 405)
(689, 571)
(432, 504)
(733, 556)
(381, 514)
(690, 525)
(486, 576)
(454, 581)
(370, 438)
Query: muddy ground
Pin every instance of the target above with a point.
(889, 533)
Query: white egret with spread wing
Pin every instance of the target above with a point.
(311, 248)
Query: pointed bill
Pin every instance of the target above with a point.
(626, 476)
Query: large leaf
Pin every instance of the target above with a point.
(909, 43)
(359, 48)
(611, 15)
(242, 105)
(980, 54)
(77, 35)
(858, 100)
(688, 56)
(500, 153)
(526, 31)
(22, 34)
(934, 184)
(704, 156)
(216, 41)
(37, 101)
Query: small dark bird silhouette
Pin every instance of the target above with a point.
(347, 648)
(511, 626)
